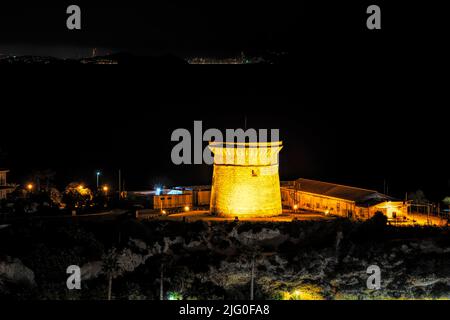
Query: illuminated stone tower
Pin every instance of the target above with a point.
(245, 179)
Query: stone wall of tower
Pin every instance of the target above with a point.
(247, 183)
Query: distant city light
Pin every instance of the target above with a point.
(186, 208)
(30, 186)
(158, 191)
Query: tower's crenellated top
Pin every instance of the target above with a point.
(246, 153)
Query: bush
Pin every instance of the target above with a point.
(371, 229)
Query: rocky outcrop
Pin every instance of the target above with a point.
(13, 270)
(91, 270)
(411, 269)
(302, 260)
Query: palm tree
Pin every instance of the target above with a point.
(252, 281)
(252, 254)
(44, 177)
(111, 268)
(161, 283)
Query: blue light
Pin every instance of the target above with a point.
(175, 192)
(158, 191)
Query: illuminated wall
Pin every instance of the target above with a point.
(391, 209)
(245, 179)
(4, 189)
(298, 200)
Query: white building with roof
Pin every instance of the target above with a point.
(340, 200)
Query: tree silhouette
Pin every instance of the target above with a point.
(252, 254)
(44, 179)
(77, 196)
(111, 268)
(418, 197)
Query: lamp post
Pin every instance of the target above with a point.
(98, 173)
(105, 190)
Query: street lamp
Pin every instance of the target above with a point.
(30, 187)
(105, 189)
(98, 173)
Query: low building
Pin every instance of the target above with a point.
(4, 187)
(339, 200)
(175, 198)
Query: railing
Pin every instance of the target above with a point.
(430, 209)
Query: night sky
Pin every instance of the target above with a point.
(203, 27)
(338, 137)
(147, 27)
(353, 107)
